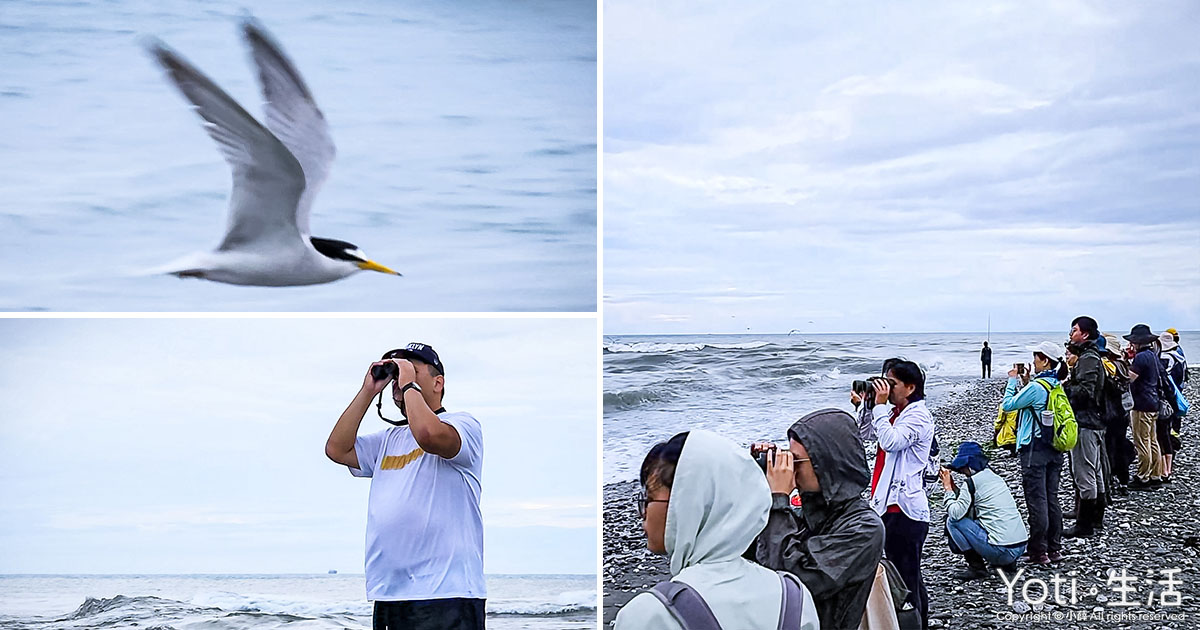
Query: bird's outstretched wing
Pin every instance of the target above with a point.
(292, 115)
(267, 179)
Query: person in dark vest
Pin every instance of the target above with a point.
(985, 356)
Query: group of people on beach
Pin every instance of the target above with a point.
(740, 534)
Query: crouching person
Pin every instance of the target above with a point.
(703, 501)
(982, 521)
(835, 542)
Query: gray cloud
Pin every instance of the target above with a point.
(798, 156)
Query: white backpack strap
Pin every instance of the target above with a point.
(791, 612)
(685, 605)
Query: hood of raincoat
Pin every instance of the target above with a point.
(719, 502)
(831, 438)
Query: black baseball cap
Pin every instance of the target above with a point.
(420, 352)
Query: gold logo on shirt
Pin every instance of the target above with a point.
(396, 462)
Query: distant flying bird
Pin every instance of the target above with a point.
(277, 170)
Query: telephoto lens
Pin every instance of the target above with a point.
(385, 371)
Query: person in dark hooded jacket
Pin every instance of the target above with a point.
(835, 541)
(1085, 391)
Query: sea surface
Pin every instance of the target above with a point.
(250, 602)
(753, 387)
(466, 136)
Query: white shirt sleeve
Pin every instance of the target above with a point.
(470, 453)
(368, 448)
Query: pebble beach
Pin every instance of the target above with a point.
(1145, 533)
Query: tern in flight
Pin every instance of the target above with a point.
(277, 170)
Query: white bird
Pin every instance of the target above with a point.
(277, 170)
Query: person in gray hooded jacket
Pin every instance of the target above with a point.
(835, 541)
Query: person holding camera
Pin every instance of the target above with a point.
(834, 542)
(1041, 463)
(983, 523)
(702, 502)
(903, 431)
(424, 555)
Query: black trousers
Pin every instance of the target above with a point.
(1162, 431)
(1119, 448)
(1041, 471)
(903, 540)
(430, 614)
(987, 369)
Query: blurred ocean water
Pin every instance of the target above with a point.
(248, 602)
(466, 152)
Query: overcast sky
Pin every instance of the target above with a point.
(916, 166)
(197, 446)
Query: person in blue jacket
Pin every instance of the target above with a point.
(1041, 464)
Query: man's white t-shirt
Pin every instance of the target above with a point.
(424, 528)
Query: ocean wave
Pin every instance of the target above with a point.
(566, 603)
(654, 347)
(276, 605)
(93, 606)
(123, 610)
(630, 399)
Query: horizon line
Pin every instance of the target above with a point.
(850, 332)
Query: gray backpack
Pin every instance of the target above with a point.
(689, 609)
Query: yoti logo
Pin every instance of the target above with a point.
(1037, 591)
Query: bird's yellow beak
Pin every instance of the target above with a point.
(371, 265)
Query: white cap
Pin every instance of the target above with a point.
(1049, 348)
(1168, 341)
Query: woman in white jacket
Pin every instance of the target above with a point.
(704, 503)
(904, 433)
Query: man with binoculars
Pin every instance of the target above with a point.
(424, 560)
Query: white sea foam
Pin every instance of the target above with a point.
(276, 604)
(566, 602)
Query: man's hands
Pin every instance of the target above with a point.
(407, 374)
(781, 475)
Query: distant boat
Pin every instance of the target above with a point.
(333, 572)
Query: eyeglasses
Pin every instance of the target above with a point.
(642, 501)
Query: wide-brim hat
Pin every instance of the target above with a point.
(1048, 348)
(970, 455)
(1140, 334)
(1168, 341)
(1112, 344)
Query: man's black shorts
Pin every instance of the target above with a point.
(430, 614)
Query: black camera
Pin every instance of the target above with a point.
(385, 371)
(763, 456)
(866, 389)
